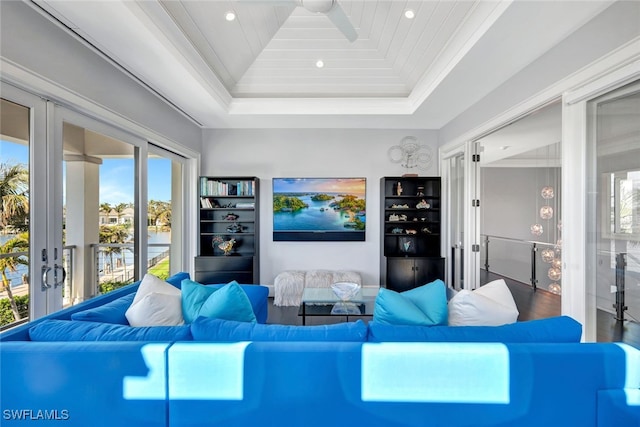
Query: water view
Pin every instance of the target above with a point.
(319, 204)
(317, 215)
(160, 237)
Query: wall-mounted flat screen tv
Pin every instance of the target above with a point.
(319, 209)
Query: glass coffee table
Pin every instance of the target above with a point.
(323, 302)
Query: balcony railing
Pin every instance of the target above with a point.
(123, 271)
(120, 268)
(517, 259)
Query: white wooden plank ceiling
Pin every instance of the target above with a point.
(260, 68)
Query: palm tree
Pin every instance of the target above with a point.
(119, 208)
(20, 243)
(105, 208)
(14, 194)
(158, 211)
(165, 215)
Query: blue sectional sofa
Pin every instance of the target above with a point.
(225, 373)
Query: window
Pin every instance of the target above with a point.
(625, 203)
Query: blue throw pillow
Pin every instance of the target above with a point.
(561, 329)
(425, 305)
(228, 302)
(258, 297)
(176, 279)
(209, 329)
(70, 330)
(111, 312)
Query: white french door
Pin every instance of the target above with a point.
(45, 277)
(460, 177)
(63, 151)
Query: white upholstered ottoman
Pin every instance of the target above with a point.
(288, 285)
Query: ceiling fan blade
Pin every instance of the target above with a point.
(342, 22)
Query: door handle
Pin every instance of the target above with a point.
(57, 283)
(45, 274)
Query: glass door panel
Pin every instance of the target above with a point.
(457, 197)
(99, 198)
(461, 179)
(26, 217)
(15, 133)
(615, 239)
(164, 212)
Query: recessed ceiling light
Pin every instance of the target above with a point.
(409, 14)
(230, 16)
(319, 63)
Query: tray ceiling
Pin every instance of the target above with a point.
(260, 69)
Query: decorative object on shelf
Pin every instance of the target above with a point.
(423, 204)
(230, 216)
(396, 206)
(394, 217)
(345, 291)
(411, 154)
(398, 189)
(411, 231)
(225, 245)
(235, 228)
(397, 230)
(426, 230)
(407, 245)
(420, 191)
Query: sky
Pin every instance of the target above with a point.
(116, 175)
(355, 186)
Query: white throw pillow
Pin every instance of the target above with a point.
(489, 305)
(157, 303)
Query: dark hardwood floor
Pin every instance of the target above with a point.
(541, 303)
(531, 304)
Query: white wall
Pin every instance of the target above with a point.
(268, 153)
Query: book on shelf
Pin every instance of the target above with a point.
(212, 187)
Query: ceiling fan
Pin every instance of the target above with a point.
(334, 12)
(330, 8)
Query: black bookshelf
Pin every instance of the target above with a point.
(228, 210)
(410, 248)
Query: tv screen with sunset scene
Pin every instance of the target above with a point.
(319, 209)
